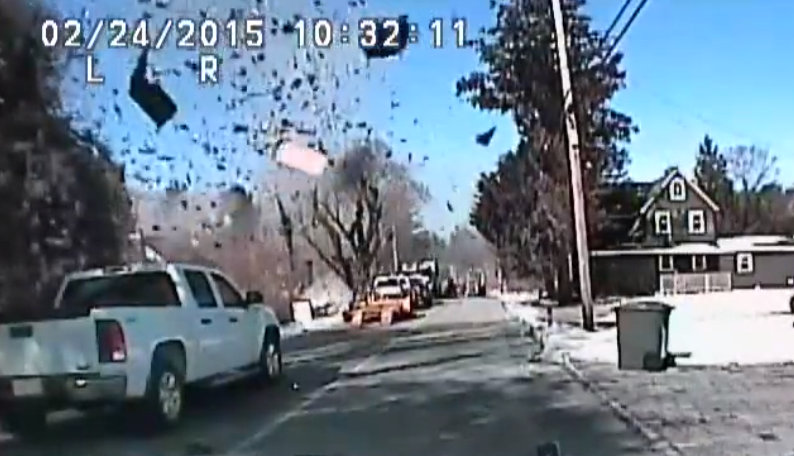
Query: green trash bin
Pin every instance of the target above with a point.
(643, 335)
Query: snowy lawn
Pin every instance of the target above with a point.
(742, 327)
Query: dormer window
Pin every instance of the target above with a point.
(678, 190)
(696, 221)
(662, 222)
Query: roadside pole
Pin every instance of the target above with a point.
(394, 256)
(579, 215)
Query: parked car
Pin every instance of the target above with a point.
(133, 335)
(423, 289)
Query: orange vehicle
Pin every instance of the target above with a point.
(391, 298)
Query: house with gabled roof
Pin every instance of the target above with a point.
(678, 249)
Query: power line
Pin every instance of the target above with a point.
(620, 35)
(626, 26)
(616, 20)
(703, 119)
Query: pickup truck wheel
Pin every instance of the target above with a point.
(25, 423)
(165, 393)
(270, 362)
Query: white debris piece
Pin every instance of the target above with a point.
(302, 158)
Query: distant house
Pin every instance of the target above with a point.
(164, 249)
(678, 249)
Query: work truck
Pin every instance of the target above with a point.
(390, 298)
(133, 335)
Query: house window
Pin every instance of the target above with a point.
(666, 263)
(662, 222)
(678, 190)
(744, 263)
(698, 263)
(697, 221)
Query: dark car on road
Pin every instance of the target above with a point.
(422, 288)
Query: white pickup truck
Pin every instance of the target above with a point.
(135, 334)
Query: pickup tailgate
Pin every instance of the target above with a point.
(40, 347)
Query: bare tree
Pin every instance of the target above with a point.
(751, 168)
(350, 216)
(342, 220)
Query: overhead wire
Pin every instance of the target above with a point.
(605, 39)
(619, 37)
(616, 20)
(626, 26)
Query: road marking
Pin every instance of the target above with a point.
(272, 425)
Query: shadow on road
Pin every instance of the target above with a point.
(446, 390)
(456, 404)
(214, 417)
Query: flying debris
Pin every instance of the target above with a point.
(484, 138)
(149, 96)
(548, 449)
(302, 158)
(384, 35)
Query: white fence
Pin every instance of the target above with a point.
(696, 282)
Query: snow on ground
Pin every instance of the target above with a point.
(744, 327)
(318, 324)
(328, 291)
(520, 310)
(516, 296)
(741, 326)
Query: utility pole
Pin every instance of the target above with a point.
(579, 215)
(394, 256)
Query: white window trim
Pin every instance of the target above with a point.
(740, 259)
(666, 263)
(657, 218)
(699, 263)
(679, 184)
(692, 216)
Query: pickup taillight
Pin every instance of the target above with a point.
(111, 342)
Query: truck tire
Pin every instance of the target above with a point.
(25, 423)
(270, 362)
(165, 392)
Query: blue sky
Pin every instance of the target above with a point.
(694, 67)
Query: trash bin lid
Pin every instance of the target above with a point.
(648, 306)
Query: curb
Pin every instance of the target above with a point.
(658, 442)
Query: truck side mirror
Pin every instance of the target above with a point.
(254, 297)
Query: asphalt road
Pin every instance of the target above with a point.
(455, 382)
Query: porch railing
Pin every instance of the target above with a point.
(695, 282)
